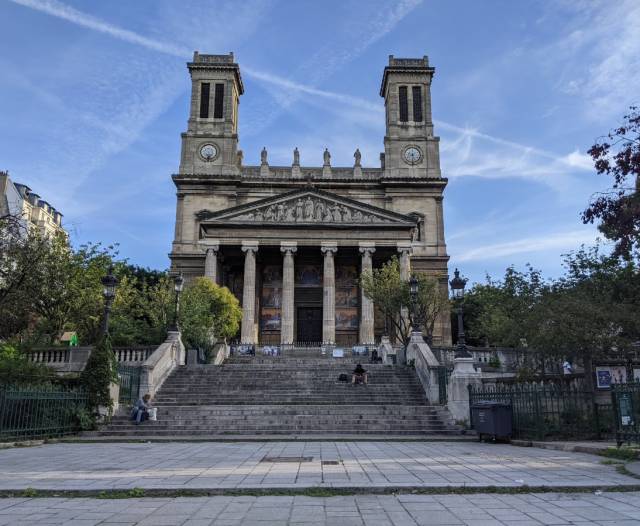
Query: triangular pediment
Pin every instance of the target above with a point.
(307, 206)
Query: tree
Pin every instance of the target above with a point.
(498, 312)
(591, 312)
(618, 210)
(21, 250)
(208, 313)
(390, 294)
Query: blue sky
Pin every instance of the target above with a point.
(94, 96)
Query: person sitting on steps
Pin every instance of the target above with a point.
(359, 375)
(140, 411)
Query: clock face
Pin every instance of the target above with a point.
(412, 155)
(208, 152)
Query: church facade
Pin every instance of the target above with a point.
(291, 241)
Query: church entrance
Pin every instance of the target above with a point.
(309, 324)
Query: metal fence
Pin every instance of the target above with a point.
(550, 411)
(626, 411)
(443, 380)
(41, 411)
(129, 376)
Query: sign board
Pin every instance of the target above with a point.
(625, 408)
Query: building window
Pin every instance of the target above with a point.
(417, 103)
(218, 102)
(204, 100)
(404, 106)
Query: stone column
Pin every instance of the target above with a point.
(329, 294)
(366, 305)
(247, 334)
(288, 288)
(405, 273)
(211, 262)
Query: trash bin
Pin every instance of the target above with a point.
(492, 419)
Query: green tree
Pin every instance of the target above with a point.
(498, 312)
(617, 211)
(208, 313)
(591, 312)
(390, 294)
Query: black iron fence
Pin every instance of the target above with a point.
(550, 411)
(626, 412)
(41, 411)
(129, 376)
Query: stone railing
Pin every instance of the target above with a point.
(134, 355)
(161, 363)
(426, 365)
(510, 358)
(61, 359)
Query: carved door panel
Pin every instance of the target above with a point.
(309, 324)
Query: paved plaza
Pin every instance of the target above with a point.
(589, 509)
(273, 465)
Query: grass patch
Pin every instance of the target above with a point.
(319, 492)
(622, 453)
(611, 462)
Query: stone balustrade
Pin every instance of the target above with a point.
(159, 365)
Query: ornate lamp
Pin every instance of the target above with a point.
(457, 291)
(110, 283)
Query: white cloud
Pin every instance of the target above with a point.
(70, 14)
(562, 241)
(600, 56)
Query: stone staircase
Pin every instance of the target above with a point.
(292, 395)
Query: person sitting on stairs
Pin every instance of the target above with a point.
(359, 375)
(140, 411)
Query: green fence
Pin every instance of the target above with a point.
(41, 411)
(626, 411)
(129, 376)
(443, 380)
(550, 411)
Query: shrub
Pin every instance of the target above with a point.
(100, 371)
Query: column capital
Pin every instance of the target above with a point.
(329, 248)
(366, 248)
(288, 247)
(405, 248)
(248, 246)
(211, 244)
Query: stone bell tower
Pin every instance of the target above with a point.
(411, 150)
(210, 144)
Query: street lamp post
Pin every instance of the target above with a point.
(178, 284)
(457, 288)
(109, 282)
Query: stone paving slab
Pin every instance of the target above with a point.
(606, 509)
(204, 465)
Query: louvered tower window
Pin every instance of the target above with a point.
(204, 100)
(404, 105)
(417, 103)
(218, 104)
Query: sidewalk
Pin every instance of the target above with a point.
(282, 465)
(360, 510)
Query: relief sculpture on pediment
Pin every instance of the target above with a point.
(308, 210)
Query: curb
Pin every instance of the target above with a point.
(595, 449)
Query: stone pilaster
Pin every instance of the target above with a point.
(329, 294)
(248, 333)
(211, 262)
(288, 289)
(366, 305)
(405, 274)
